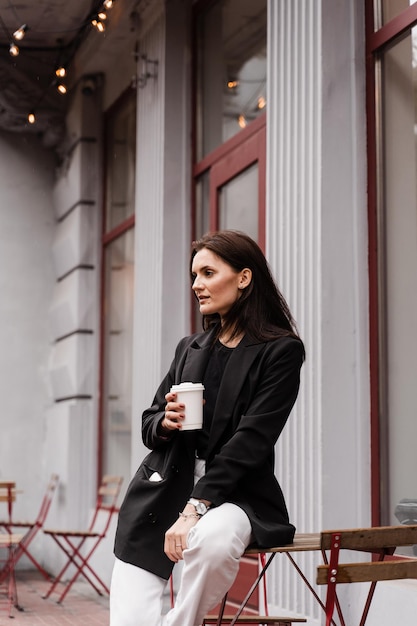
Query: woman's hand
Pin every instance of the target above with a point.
(176, 536)
(174, 413)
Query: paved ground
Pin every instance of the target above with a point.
(81, 607)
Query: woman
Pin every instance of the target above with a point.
(204, 496)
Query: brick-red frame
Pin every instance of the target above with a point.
(376, 42)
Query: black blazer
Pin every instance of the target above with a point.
(257, 392)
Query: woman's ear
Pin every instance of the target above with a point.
(245, 278)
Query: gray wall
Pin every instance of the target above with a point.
(26, 282)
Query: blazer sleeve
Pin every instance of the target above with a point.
(276, 383)
(153, 416)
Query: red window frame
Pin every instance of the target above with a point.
(107, 237)
(376, 42)
(229, 160)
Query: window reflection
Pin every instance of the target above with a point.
(231, 74)
(118, 340)
(398, 245)
(120, 163)
(392, 8)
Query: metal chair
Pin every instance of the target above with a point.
(32, 527)
(73, 542)
(10, 543)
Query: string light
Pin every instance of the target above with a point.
(14, 50)
(20, 32)
(232, 84)
(99, 25)
(242, 121)
(261, 102)
(97, 20)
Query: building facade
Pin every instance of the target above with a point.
(291, 119)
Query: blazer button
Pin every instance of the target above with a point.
(151, 518)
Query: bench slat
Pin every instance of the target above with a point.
(374, 571)
(303, 542)
(372, 539)
(255, 619)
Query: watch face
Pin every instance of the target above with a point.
(201, 508)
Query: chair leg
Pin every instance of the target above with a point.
(9, 578)
(70, 561)
(80, 563)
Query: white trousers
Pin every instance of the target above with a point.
(211, 562)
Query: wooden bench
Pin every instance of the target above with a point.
(381, 541)
(254, 619)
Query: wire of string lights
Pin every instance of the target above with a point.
(96, 19)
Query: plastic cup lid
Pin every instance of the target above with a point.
(188, 387)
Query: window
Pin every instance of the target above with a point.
(393, 249)
(231, 70)
(117, 289)
(230, 101)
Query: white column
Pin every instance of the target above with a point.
(162, 209)
(316, 243)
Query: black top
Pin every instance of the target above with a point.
(212, 379)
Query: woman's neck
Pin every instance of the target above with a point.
(230, 341)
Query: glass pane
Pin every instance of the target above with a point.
(238, 202)
(392, 8)
(400, 277)
(120, 162)
(231, 80)
(118, 329)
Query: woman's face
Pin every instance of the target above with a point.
(216, 284)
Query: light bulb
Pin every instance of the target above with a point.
(261, 102)
(20, 32)
(31, 118)
(102, 15)
(62, 88)
(99, 25)
(13, 50)
(61, 71)
(232, 84)
(242, 121)
(108, 4)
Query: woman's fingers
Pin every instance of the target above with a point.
(176, 538)
(174, 412)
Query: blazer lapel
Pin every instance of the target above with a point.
(234, 377)
(196, 359)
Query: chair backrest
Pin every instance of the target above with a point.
(106, 503)
(8, 494)
(47, 500)
(7, 491)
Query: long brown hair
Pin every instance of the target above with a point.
(261, 312)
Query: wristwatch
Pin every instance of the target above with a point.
(200, 507)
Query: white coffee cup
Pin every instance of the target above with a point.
(190, 394)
